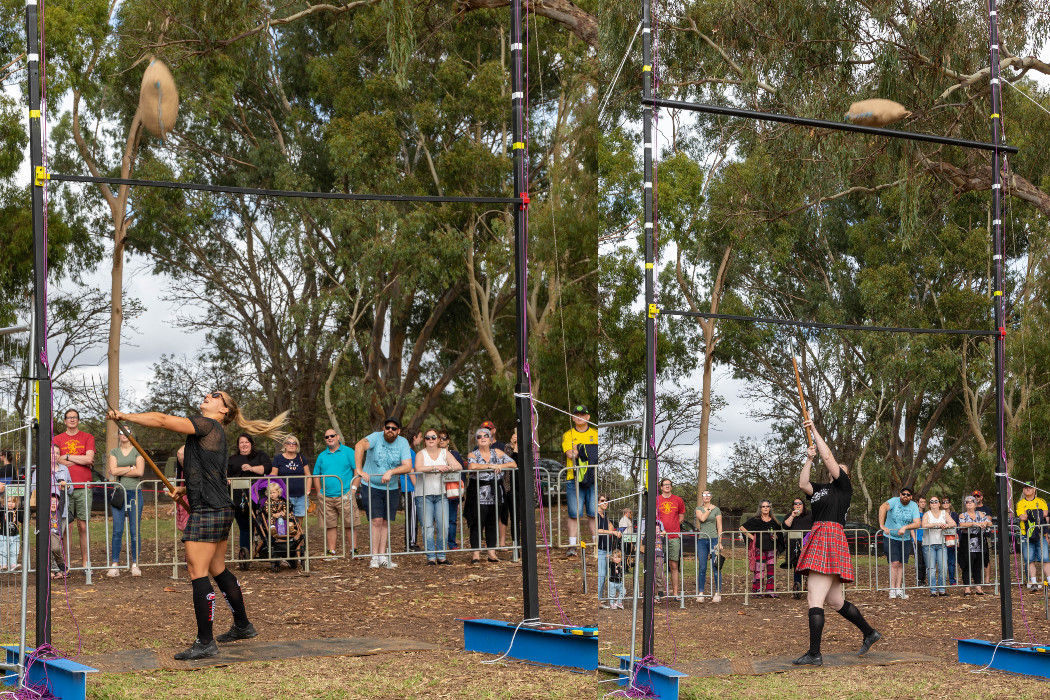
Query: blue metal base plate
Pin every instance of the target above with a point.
(661, 680)
(64, 678)
(557, 645)
(1029, 661)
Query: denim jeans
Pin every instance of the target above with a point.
(435, 524)
(616, 593)
(705, 551)
(132, 513)
(453, 519)
(603, 571)
(10, 548)
(937, 566)
(951, 564)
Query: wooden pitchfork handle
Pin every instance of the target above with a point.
(160, 475)
(802, 400)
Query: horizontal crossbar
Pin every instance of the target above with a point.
(283, 193)
(825, 124)
(834, 326)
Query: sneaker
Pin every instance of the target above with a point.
(716, 598)
(135, 570)
(868, 641)
(374, 563)
(808, 659)
(603, 606)
(701, 598)
(236, 633)
(570, 552)
(199, 650)
(619, 605)
(902, 594)
(330, 555)
(894, 593)
(113, 573)
(388, 563)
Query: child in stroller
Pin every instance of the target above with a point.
(278, 534)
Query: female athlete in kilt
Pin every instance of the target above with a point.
(825, 555)
(211, 510)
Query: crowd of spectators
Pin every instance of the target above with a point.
(956, 546)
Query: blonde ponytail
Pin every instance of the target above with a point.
(264, 428)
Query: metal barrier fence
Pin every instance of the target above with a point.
(92, 544)
(725, 566)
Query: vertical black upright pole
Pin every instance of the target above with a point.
(1002, 483)
(523, 406)
(649, 434)
(39, 371)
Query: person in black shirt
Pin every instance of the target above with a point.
(799, 521)
(244, 464)
(825, 555)
(211, 510)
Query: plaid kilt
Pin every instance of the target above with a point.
(826, 552)
(208, 525)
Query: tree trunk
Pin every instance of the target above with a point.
(116, 316)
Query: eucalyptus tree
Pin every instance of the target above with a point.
(876, 231)
(309, 98)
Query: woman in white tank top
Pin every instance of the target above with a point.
(934, 523)
(432, 462)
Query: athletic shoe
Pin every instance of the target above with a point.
(236, 633)
(199, 650)
(894, 593)
(701, 598)
(570, 552)
(113, 573)
(716, 598)
(603, 606)
(902, 594)
(869, 639)
(330, 555)
(388, 563)
(135, 570)
(808, 659)
(374, 563)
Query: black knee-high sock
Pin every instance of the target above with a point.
(231, 591)
(816, 629)
(850, 612)
(203, 607)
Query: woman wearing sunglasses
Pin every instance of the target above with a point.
(432, 463)
(935, 521)
(485, 494)
(211, 509)
(825, 554)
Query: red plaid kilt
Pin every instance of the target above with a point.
(208, 525)
(826, 552)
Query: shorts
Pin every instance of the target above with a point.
(298, 504)
(674, 549)
(80, 504)
(1034, 551)
(208, 525)
(899, 550)
(337, 510)
(381, 503)
(587, 494)
(826, 551)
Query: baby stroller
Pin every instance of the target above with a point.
(278, 533)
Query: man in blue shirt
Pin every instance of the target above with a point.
(334, 480)
(380, 458)
(896, 517)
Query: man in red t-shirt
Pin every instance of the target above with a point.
(76, 450)
(670, 510)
